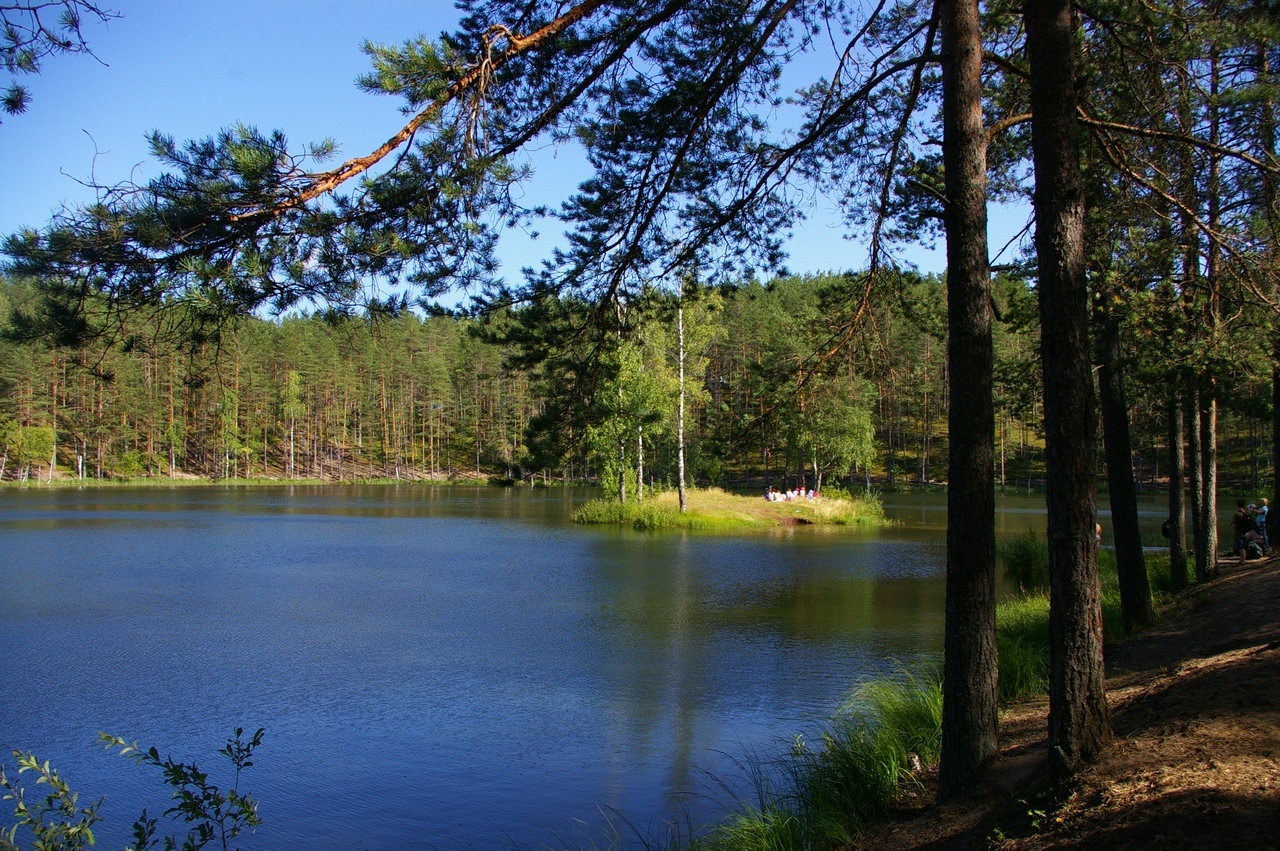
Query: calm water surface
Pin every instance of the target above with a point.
(442, 667)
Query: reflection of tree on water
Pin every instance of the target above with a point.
(712, 633)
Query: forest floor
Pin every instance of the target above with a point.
(1195, 763)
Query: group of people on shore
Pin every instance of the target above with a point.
(1250, 526)
(789, 495)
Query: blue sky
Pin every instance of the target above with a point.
(189, 69)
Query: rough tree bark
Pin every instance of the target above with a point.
(969, 707)
(1197, 503)
(1208, 478)
(1131, 565)
(1079, 722)
(1177, 502)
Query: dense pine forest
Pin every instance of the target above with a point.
(253, 310)
(443, 397)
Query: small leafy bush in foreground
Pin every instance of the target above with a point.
(58, 823)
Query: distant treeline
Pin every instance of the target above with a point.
(770, 397)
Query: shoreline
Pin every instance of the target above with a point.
(1195, 759)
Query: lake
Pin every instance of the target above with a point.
(443, 667)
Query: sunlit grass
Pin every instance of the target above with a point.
(712, 508)
(825, 793)
(1022, 623)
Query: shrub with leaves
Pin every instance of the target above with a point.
(56, 821)
(214, 814)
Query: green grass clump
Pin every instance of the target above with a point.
(853, 511)
(1022, 630)
(1026, 560)
(907, 711)
(656, 514)
(714, 509)
(1022, 647)
(824, 795)
(1158, 575)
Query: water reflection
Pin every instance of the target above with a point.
(440, 666)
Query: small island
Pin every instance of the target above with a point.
(715, 509)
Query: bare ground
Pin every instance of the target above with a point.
(1195, 705)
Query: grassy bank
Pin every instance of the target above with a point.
(712, 509)
(827, 791)
(1022, 623)
(825, 794)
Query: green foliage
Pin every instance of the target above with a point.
(36, 444)
(33, 31)
(1026, 560)
(825, 795)
(1158, 574)
(834, 491)
(1022, 647)
(907, 711)
(652, 515)
(128, 465)
(10, 436)
(1022, 634)
(56, 822)
(214, 814)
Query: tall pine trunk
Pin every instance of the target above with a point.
(684, 503)
(969, 707)
(1197, 504)
(1209, 391)
(1177, 507)
(1079, 722)
(1131, 566)
(1209, 478)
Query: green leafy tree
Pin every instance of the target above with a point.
(36, 446)
(837, 426)
(631, 399)
(10, 441)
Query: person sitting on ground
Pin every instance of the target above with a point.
(1253, 544)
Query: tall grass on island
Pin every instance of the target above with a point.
(714, 509)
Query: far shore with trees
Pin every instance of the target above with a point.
(1143, 135)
